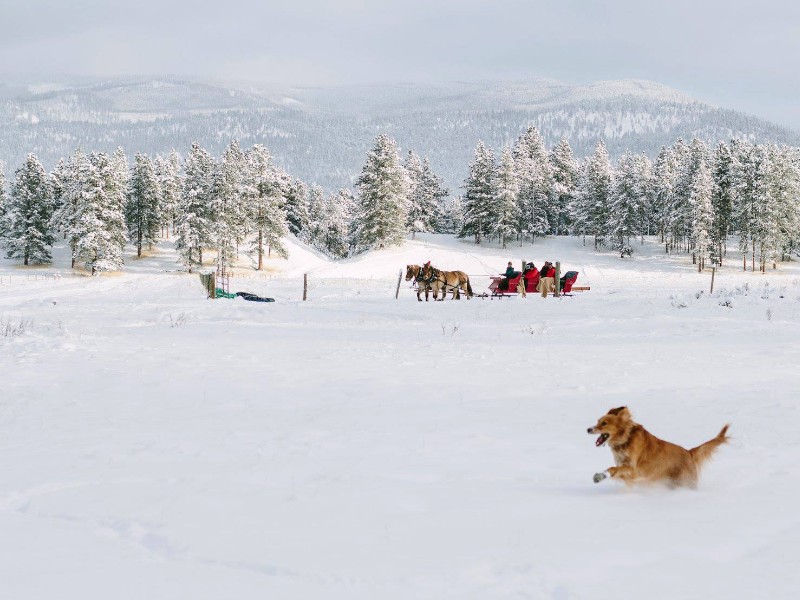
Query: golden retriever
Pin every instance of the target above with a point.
(641, 457)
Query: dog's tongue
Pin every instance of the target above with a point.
(601, 440)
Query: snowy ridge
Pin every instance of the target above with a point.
(322, 134)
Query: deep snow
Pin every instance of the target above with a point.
(155, 444)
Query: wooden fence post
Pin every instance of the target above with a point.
(713, 271)
(557, 293)
(305, 286)
(399, 279)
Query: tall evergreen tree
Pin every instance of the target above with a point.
(507, 217)
(27, 215)
(228, 204)
(334, 226)
(722, 200)
(425, 193)
(297, 198)
(171, 183)
(266, 204)
(625, 210)
(382, 203)
(193, 228)
(142, 209)
(750, 189)
(680, 214)
(565, 183)
(69, 189)
(664, 178)
(593, 199)
(3, 204)
(538, 215)
(479, 216)
(701, 197)
(98, 224)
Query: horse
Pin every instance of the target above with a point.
(415, 272)
(442, 280)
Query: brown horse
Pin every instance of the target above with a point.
(454, 281)
(415, 272)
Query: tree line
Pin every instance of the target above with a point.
(240, 202)
(692, 196)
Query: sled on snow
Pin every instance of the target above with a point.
(502, 286)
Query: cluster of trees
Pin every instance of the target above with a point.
(241, 201)
(692, 196)
(99, 203)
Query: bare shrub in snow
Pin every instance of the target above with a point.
(178, 321)
(450, 328)
(13, 328)
(539, 329)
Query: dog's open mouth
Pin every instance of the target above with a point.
(601, 440)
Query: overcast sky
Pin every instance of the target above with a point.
(738, 54)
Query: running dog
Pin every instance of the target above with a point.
(641, 457)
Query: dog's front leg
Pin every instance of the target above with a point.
(626, 473)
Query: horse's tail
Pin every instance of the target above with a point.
(469, 288)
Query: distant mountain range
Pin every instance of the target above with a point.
(322, 134)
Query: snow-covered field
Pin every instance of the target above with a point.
(155, 444)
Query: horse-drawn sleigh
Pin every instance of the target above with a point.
(430, 280)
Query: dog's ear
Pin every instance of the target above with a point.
(622, 411)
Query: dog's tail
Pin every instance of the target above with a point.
(705, 451)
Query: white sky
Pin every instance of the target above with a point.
(739, 54)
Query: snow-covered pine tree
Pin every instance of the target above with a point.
(116, 175)
(231, 218)
(169, 178)
(266, 204)
(565, 182)
(595, 192)
(479, 216)
(98, 225)
(58, 184)
(69, 188)
(452, 215)
(506, 215)
(700, 199)
(297, 198)
(722, 199)
(680, 214)
(316, 216)
(425, 193)
(28, 231)
(436, 192)
(193, 227)
(536, 187)
(335, 235)
(780, 216)
(644, 170)
(625, 209)
(664, 177)
(142, 209)
(3, 203)
(382, 202)
(750, 187)
(579, 204)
